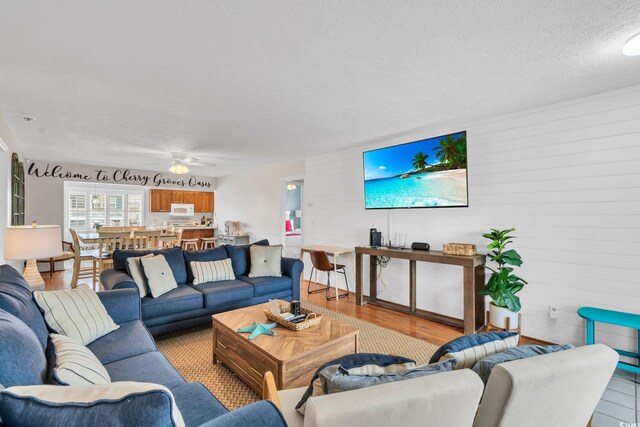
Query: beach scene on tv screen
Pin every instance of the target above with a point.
(427, 173)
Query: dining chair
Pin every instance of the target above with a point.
(320, 262)
(107, 243)
(80, 256)
(147, 239)
(67, 254)
(110, 229)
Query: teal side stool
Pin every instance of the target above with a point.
(619, 318)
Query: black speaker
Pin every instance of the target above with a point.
(420, 246)
(375, 238)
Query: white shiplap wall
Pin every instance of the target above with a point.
(567, 176)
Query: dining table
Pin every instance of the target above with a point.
(92, 238)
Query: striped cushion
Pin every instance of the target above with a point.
(76, 364)
(77, 313)
(118, 404)
(212, 271)
(468, 349)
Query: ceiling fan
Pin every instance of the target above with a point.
(180, 162)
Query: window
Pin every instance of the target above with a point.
(108, 205)
(134, 209)
(17, 191)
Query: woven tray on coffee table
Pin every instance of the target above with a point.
(312, 318)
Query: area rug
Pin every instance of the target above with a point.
(189, 351)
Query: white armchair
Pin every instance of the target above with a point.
(447, 399)
(556, 389)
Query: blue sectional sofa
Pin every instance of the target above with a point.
(190, 305)
(128, 353)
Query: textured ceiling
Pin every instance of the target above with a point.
(250, 82)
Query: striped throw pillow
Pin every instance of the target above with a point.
(77, 313)
(212, 271)
(468, 349)
(117, 403)
(76, 364)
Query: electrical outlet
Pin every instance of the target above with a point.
(553, 312)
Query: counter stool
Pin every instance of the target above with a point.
(619, 318)
(189, 244)
(208, 242)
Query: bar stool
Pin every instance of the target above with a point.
(321, 262)
(208, 242)
(187, 243)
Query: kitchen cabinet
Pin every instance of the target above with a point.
(203, 201)
(198, 233)
(189, 197)
(160, 200)
(176, 196)
(225, 239)
(208, 202)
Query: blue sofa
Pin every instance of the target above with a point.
(128, 353)
(189, 305)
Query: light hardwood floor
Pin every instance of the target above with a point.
(416, 327)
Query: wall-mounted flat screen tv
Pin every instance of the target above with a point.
(430, 173)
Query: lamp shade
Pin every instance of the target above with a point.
(32, 242)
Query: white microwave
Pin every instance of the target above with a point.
(182, 209)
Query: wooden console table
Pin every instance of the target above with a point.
(473, 267)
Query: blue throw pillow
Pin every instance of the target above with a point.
(22, 359)
(484, 366)
(215, 254)
(120, 403)
(241, 258)
(361, 363)
(173, 256)
(468, 349)
(16, 298)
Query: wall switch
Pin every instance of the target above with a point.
(553, 312)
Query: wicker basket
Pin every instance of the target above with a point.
(312, 318)
(466, 249)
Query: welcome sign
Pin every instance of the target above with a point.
(115, 176)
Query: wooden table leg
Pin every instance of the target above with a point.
(473, 303)
(359, 293)
(412, 285)
(373, 277)
(479, 299)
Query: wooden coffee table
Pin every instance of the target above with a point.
(291, 356)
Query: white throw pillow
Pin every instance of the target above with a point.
(212, 271)
(159, 275)
(32, 405)
(76, 364)
(266, 261)
(77, 313)
(135, 271)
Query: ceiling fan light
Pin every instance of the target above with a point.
(179, 169)
(632, 46)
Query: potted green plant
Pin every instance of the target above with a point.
(503, 285)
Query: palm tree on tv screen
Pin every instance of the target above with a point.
(452, 152)
(420, 161)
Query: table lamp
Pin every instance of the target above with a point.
(32, 242)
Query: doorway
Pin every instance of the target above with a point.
(292, 214)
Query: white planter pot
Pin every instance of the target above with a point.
(499, 316)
